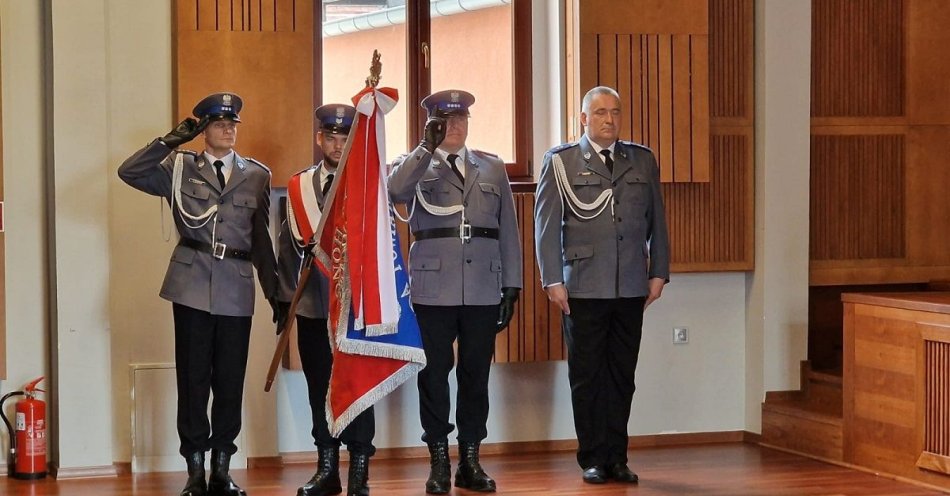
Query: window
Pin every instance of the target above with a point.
(481, 46)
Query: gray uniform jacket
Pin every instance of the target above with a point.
(447, 271)
(195, 278)
(315, 298)
(614, 254)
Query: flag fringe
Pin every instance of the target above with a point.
(391, 351)
(337, 425)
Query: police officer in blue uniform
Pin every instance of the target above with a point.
(313, 341)
(221, 204)
(603, 249)
(465, 265)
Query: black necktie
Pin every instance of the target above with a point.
(218, 165)
(326, 185)
(455, 168)
(607, 160)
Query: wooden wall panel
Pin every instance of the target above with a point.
(712, 223)
(857, 58)
(896, 391)
(879, 75)
(657, 59)
(535, 331)
(937, 397)
(730, 60)
(264, 53)
(708, 222)
(241, 15)
(857, 197)
(663, 87)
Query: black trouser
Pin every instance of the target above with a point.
(210, 357)
(603, 343)
(474, 327)
(317, 360)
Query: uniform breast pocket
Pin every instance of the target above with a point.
(587, 187)
(195, 196)
(491, 198)
(244, 205)
(433, 191)
(424, 272)
(638, 189)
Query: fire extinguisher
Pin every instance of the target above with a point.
(27, 457)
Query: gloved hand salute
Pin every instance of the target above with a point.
(433, 134)
(185, 131)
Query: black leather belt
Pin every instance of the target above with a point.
(461, 232)
(217, 250)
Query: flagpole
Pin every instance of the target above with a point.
(284, 340)
(372, 81)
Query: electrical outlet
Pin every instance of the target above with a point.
(680, 335)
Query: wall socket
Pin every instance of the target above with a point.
(680, 335)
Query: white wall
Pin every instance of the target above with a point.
(777, 319)
(701, 386)
(21, 33)
(696, 387)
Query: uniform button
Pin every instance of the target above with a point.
(620, 238)
(220, 239)
(465, 204)
(220, 220)
(468, 260)
(619, 219)
(221, 202)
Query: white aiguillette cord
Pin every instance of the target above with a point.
(203, 218)
(575, 204)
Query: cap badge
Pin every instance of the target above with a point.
(340, 112)
(226, 99)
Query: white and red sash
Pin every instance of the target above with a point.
(303, 212)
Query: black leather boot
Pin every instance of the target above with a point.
(358, 477)
(220, 483)
(440, 472)
(326, 481)
(196, 485)
(470, 474)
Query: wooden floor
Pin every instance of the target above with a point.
(724, 469)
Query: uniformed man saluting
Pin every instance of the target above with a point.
(603, 250)
(465, 266)
(221, 204)
(313, 340)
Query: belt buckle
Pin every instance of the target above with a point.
(465, 231)
(219, 250)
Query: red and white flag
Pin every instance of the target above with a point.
(373, 333)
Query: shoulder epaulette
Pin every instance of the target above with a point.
(258, 162)
(637, 145)
(483, 153)
(301, 171)
(187, 152)
(564, 146)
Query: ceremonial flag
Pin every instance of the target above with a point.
(373, 332)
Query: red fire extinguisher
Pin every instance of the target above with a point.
(27, 458)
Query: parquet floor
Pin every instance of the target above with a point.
(721, 469)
